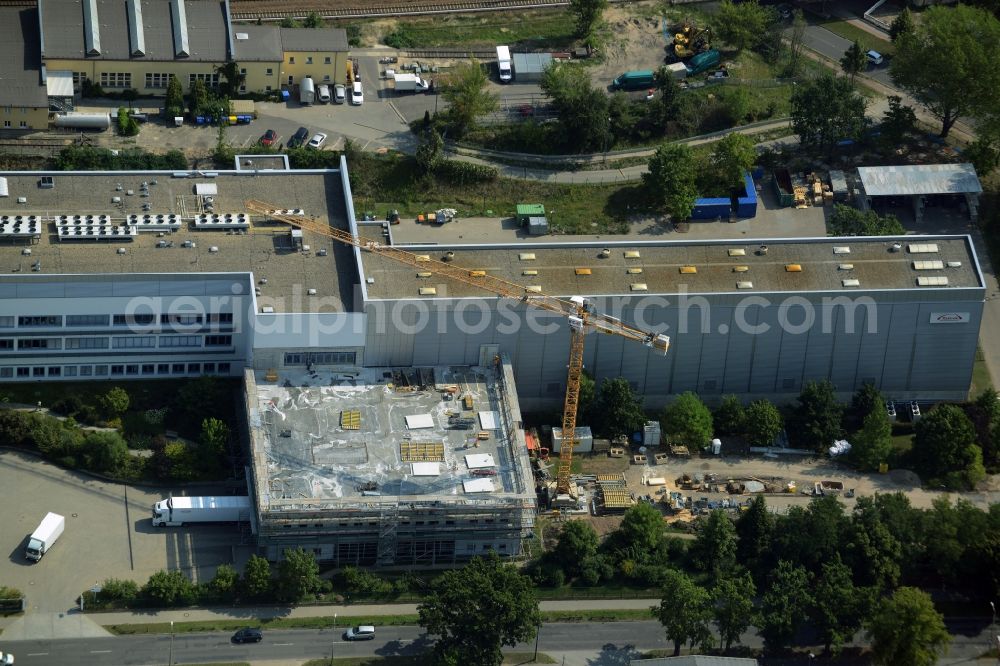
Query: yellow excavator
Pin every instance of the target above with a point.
(688, 41)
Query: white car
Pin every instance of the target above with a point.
(6, 659)
(357, 94)
(317, 141)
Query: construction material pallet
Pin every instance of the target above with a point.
(350, 419)
(421, 451)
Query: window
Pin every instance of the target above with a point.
(135, 342)
(40, 320)
(163, 369)
(210, 80)
(243, 71)
(220, 318)
(116, 80)
(181, 319)
(157, 80)
(209, 367)
(23, 123)
(145, 319)
(6, 123)
(224, 368)
(194, 367)
(267, 88)
(24, 372)
(178, 368)
(86, 343)
(118, 370)
(101, 370)
(291, 60)
(132, 369)
(326, 77)
(326, 60)
(320, 358)
(218, 340)
(309, 60)
(270, 72)
(78, 79)
(39, 343)
(7, 343)
(180, 341)
(295, 358)
(86, 320)
(69, 371)
(86, 370)
(55, 371)
(148, 368)
(6, 373)
(38, 372)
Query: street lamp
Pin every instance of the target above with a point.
(170, 660)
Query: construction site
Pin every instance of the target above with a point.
(415, 466)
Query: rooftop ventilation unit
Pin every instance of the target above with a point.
(633, 271)
(954, 264)
(740, 269)
(425, 274)
(851, 283)
(605, 253)
(689, 270)
(841, 249)
(533, 289)
(91, 29)
(477, 273)
(738, 252)
(213, 249)
(845, 267)
(583, 271)
(427, 291)
(137, 37)
(921, 248)
(526, 256)
(744, 284)
(179, 16)
(529, 272)
(638, 286)
(311, 292)
(928, 265)
(934, 281)
(632, 254)
(793, 268)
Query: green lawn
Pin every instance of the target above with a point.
(852, 32)
(538, 29)
(980, 375)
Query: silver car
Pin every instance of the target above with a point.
(317, 141)
(339, 93)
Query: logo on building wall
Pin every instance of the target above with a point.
(950, 317)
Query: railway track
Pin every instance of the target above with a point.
(243, 10)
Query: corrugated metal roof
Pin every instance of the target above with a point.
(59, 83)
(21, 74)
(314, 39)
(531, 63)
(920, 179)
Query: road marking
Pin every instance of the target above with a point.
(100, 651)
(37, 654)
(282, 644)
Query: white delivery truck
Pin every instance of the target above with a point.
(44, 536)
(176, 511)
(410, 83)
(307, 91)
(503, 64)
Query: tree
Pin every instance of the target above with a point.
(669, 91)
(588, 15)
(872, 445)
(116, 401)
(468, 97)
(617, 410)
(783, 606)
(754, 527)
(476, 610)
(687, 421)
(944, 449)
(730, 417)
(763, 423)
(257, 577)
(640, 534)
(428, 155)
(671, 181)
(849, 221)
(742, 25)
(897, 121)
(733, 607)
(298, 575)
(234, 78)
(796, 43)
(826, 110)
(950, 88)
(838, 607)
(174, 103)
(812, 535)
(864, 401)
(588, 392)
(105, 450)
(907, 629)
(901, 25)
(685, 611)
(732, 157)
(714, 547)
(583, 111)
(313, 20)
(815, 423)
(577, 542)
(169, 588)
(225, 581)
(854, 61)
(212, 443)
(197, 98)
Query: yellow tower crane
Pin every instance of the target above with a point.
(578, 310)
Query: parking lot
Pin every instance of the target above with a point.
(108, 535)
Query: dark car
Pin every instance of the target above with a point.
(248, 635)
(300, 136)
(270, 136)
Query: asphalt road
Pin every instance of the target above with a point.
(833, 46)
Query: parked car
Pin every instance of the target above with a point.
(357, 94)
(248, 635)
(317, 141)
(323, 93)
(300, 137)
(874, 58)
(365, 632)
(890, 410)
(339, 93)
(6, 659)
(269, 138)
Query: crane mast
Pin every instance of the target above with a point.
(578, 310)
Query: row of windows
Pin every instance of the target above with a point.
(116, 79)
(23, 123)
(210, 80)
(116, 370)
(144, 319)
(9, 109)
(157, 80)
(123, 342)
(309, 61)
(320, 358)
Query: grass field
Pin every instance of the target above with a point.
(527, 29)
(852, 32)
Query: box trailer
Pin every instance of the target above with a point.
(307, 91)
(410, 83)
(176, 511)
(504, 64)
(46, 534)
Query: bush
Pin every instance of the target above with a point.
(127, 125)
(365, 584)
(10, 592)
(401, 38)
(68, 406)
(463, 173)
(170, 588)
(115, 589)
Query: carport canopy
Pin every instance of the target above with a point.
(919, 179)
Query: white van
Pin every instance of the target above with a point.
(874, 58)
(365, 632)
(323, 93)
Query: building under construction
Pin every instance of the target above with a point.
(410, 466)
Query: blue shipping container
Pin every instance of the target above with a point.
(710, 209)
(746, 205)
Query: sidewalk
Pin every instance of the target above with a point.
(351, 610)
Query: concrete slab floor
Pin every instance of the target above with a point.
(313, 454)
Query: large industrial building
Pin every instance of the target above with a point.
(356, 368)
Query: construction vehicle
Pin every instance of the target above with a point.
(687, 44)
(579, 311)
